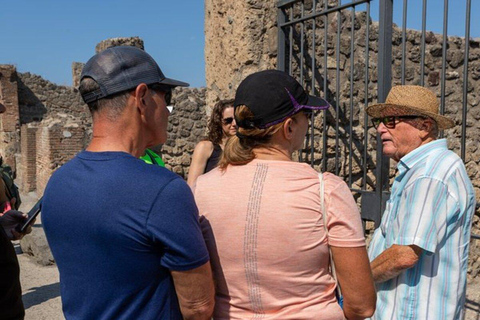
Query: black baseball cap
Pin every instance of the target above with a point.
(272, 96)
(122, 68)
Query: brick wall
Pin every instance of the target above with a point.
(57, 142)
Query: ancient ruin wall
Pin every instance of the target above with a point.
(59, 139)
(9, 121)
(39, 98)
(186, 128)
(27, 172)
(240, 38)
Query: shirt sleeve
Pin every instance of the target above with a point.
(423, 213)
(344, 223)
(173, 224)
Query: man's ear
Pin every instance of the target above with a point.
(426, 126)
(140, 96)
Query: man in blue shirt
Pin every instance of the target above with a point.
(125, 234)
(420, 251)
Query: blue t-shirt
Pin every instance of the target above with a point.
(116, 226)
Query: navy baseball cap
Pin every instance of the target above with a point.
(273, 96)
(122, 68)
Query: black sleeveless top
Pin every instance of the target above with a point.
(212, 161)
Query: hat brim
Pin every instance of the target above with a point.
(174, 83)
(385, 109)
(316, 103)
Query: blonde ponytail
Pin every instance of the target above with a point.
(238, 149)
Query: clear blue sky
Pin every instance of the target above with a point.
(45, 37)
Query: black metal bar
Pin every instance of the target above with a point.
(384, 86)
(325, 89)
(465, 77)
(365, 119)
(350, 131)
(444, 60)
(302, 55)
(404, 38)
(325, 12)
(385, 49)
(312, 90)
(302, 43)
(337, 91)
(424, 27)
(281, 17)
(290, 44)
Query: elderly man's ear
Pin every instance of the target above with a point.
(426, 127)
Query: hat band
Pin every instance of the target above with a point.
(93, 96)
(296, 108)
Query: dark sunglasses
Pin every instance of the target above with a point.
(165, 89)
(228, 120)
(390, 121)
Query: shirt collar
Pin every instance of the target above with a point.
(420, 153)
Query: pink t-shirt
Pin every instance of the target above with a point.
(264, 231)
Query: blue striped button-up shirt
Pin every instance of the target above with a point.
(431, 205)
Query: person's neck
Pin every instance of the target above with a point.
(272, 153)
(108, 136)
(427, 140)
(224, 141)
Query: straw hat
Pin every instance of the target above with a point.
(411, 101)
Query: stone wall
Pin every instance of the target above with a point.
(39, 98)
(9, 121)
(115, 42)
(186, 127)
(240, 38)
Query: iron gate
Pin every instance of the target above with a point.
(336, 51)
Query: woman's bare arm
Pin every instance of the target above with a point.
(202, 152)
(355, 279)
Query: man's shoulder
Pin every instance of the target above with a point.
(124, 169)
(439, 163)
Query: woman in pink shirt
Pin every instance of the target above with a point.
(262, 220)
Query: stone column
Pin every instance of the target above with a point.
(10, 120)
(114, 42)
(28, 168)
(240, 38)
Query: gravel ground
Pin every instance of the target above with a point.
(41, 289)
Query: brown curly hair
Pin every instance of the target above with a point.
(215, 131)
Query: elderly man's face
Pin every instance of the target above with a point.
(403, 138)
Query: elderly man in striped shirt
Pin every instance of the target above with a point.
(419, 253)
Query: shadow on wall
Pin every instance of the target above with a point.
(31, 107)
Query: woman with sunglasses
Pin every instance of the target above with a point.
(207, 152)
(262, 218)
